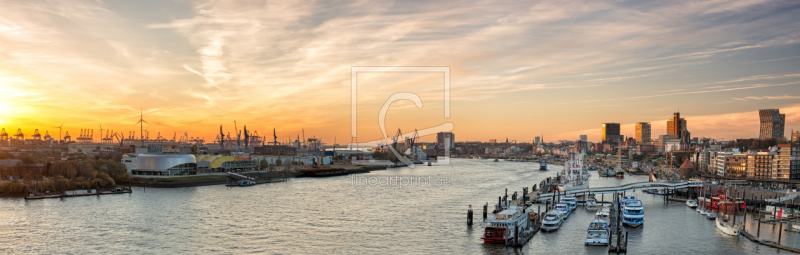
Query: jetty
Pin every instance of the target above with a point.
(541, 197)
(76, 193)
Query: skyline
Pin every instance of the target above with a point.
(518, 70)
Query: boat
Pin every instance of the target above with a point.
(618, 172)
(570, 200)
(574, 176)
(691, 203)
(564, 209)
(711, 216)
(245, 183)
(727, 227)
(501, 229)
(720, 201)
(632, 212)
(496, 160)
(542, 166)
(552, 221)
(598, 232)
(604, 213)
(591, 203)
(704, 212)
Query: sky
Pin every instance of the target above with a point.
(518, 69)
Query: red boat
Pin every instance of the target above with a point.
(494, 235)
(714, 202)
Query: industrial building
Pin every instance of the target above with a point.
(164, 165)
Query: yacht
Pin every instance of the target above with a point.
(552, 221)
(506, 223)
(598, 232)
(591, 203)
(571, 201)
(724, 225)
(632, 212)
(563, 209)
(691, 203)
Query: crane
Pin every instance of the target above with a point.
(221, 138)
(238, 135)
(413, 140)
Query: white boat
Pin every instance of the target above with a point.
(691, 203)
(728, 227)
(598, 232)
(506, 223)
(604, 213)
(552, 221)
(563, 209)
(711, 216)
(574, 176)
(591, 204)
(704, 212)
(570, 200)
(632, 212)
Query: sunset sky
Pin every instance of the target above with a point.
(519, 69)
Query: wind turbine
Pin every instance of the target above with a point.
(141, 125)
(101, 133)
(59, 132)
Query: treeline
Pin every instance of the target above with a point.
(754, 144)
(60, 175)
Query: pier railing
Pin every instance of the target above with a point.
(626, 187)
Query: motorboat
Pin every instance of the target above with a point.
(727, 227)
(632, 212)
(506, 223)
(552, 221)
(571, 201)
(604, 213)
(598, 232)
(691, 203)
(591, 203)
(711, 216)
(563, 209)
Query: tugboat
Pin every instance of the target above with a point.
(632, 212)
(506, 223)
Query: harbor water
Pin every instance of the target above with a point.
(393, 211)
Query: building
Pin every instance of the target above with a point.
(772, 122)
(610, 132)
(795, 137)
(584, 138)
(164, 165)
(781, 163)
(492, 140)
(445, 140)
(275, 150)
(795, 164)
(759, 165)
(676, 125)
(643, 132)
(687, 170)
(537, 140)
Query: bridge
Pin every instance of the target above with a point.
(626, 187)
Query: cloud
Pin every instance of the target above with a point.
(786, 96)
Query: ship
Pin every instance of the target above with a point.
(542, 166)
(574, 176)
(514, 220)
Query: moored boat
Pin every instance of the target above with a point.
(508, 222)
(632, 212)
(563, 209)
(570, 200)
(727, 227)
(552, 221)
(598, 232)
(591, 203)
(691, 203)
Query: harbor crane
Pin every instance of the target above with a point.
(36, 135)
(19, 136)
(67, 137)
(3, 135)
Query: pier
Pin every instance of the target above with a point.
(609, 190)
(74, 193)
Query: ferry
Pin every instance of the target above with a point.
(506, 223)
(598, 232)
(570, 200)
(632, 212)
(563, 209)
(552, 221)
(542, 166)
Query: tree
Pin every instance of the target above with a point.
(278, 162)
(264, 164)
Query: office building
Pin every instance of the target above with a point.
(445, 140)
(759, 165)
(643, 132)
(772, 122)
(610, 132)
(584, 138)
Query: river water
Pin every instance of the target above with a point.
(345, 214)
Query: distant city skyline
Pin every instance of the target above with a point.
(519, 70)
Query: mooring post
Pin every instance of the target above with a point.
(485, 207)
(758, 234)
(780, 233)
(469, 216)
